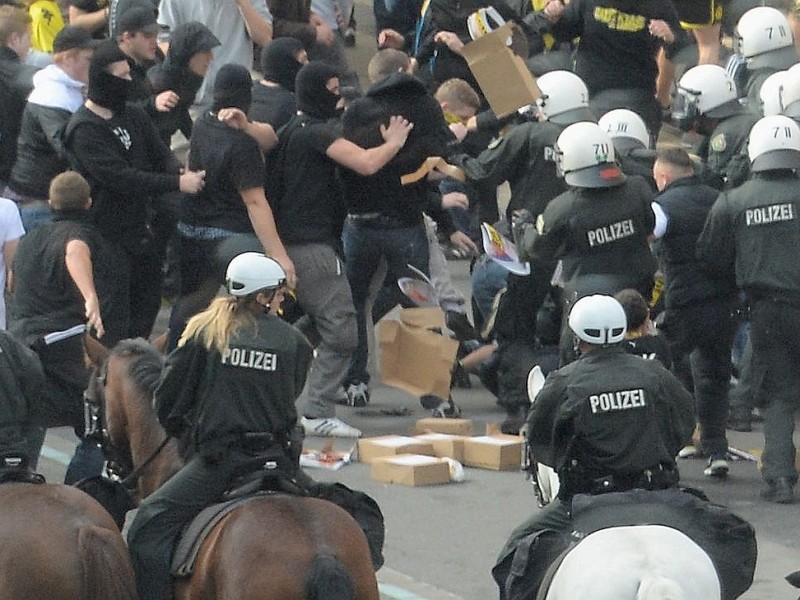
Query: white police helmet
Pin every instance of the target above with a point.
(598, 320)
(483, 21)
(252, 272)
(564, 98)
(763, 35)
(585, 157)
(623, 124)
(774, 143)
(789, 94)
(705, 90)
(770, 93)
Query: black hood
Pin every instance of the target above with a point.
(397, 84)
(313, 98)
(278, 62)
(186, 40)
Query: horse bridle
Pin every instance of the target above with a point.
(118, 465)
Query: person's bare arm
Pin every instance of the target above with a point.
(264, 226)
(259, 30)
(78, 258)
(370, 161)
(9, 252)
(262, 133)
(93, 21)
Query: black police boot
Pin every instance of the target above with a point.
(779, 490)
(514, 421)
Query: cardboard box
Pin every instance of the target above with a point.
(503, 76)
(413, 358)
(411, 469)
(445, 445)
(391, 445)
(495, 452)
(451, 426)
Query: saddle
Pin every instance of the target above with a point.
(16, 468)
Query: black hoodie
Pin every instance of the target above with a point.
(405, 95)
(173, 74)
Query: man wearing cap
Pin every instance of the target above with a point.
(236, 23)
(137, 36)
(57, 93)
(116, 147)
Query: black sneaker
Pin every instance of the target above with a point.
(445, 409)
(514, 421)
(349, 36)
(717, 466)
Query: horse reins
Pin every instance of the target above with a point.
(134, 475)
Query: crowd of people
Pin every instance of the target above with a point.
(630, 245)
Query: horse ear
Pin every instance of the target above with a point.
(96, 352)
(160, 343)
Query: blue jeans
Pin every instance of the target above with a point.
(364, 248)
(487, 279)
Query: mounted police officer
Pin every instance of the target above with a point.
(706, 102)
(752, 232)
(608, 422)
(599, 228)
(231, 384)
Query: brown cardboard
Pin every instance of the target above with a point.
(391, 445)
(495, 452)
(411, 469)
(413, 358)
(445, 445)
(451, 426)
(503, 76)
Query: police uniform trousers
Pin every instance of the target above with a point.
(556, 515)
(700, 339)
(775, 329)
(155, 531)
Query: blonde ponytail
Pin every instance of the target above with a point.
(215, 326)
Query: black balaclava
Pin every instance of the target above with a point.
(232, 88)
(105, 89)
(279, 61)
(311, 95)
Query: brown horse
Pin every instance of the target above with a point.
(273, 547)
(59, 544)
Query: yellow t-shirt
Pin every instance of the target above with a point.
(47, 22)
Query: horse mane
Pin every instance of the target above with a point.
(145, 366)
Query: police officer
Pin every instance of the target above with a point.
(706, 102)
(753, 231)
(702, 355)
(764, 39)
(631, 142)
(608, 422)
(232, 383)
(525, 157)
(599, 228)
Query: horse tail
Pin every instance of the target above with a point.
(658, 587)
(328, 580)
(107, 570)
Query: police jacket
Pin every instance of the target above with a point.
(612, 413)
(754, 231)
(525, 158)
(250, 388)
(686, 202)
(598, 232)
(726, 158)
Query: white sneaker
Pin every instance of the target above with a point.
(328, 427)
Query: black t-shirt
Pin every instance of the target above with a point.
(651, 347)
(309, 206)
(233, 163)
(273, 105)
(45, 297)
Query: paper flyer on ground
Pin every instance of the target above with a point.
(327, 458)
(502, 250)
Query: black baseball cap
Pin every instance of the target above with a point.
(138, 18)
(71, 37)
